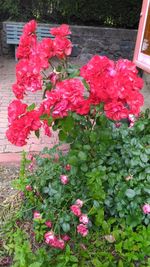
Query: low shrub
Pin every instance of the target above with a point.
(91, 206)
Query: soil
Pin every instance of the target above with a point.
(7, 175)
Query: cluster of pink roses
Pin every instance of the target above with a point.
(116, 84)
(83, 218)
(52, 239)
(49, 236)
(34, 56)
(59, 242)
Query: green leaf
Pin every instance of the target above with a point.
(31, 107)
(82, 156)
(105, 227)
(74, 73)
(67, 218)
(73, 160)
(99, 217)
(62, 135)
(120, 263)
(45, 190)
(84, 167)
(144, 157)
(130, 193)
(66, 227)
(67, 123)
(96, 262)
(73, 259)
(49, 121)
(48, 86)
(35, 264)
(146, 221)
(37, 133)
(86, 85)
(44, 117)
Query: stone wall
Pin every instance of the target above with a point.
(88, 41)
(114, 43)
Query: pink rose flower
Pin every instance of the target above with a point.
(84, 219)
(37, 215)
(79, 203)
(76, 210)
(28, 187)
(64, 179)
(82, 229)
(53, 241)
(66, 238)
(49, 237)
(59, 243)
(146, 208)
(48, 224)
(68, 167)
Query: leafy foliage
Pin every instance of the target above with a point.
(110, 173)
(105, 13)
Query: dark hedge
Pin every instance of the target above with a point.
(111, 13)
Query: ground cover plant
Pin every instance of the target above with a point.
(91, 206)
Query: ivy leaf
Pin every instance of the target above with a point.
(130, 193)
(31, 107)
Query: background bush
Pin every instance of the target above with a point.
(116, 13)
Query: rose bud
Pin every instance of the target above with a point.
(79, 203)
(84, 219)
(68, 167)
(28, 187)
(37, 215)
(76, 210)
(48, 224)
(66, 238)
(82, 229)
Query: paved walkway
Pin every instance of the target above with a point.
(7, 150)
(7, 78)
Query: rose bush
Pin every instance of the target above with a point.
(97, 194)
(101, 80)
